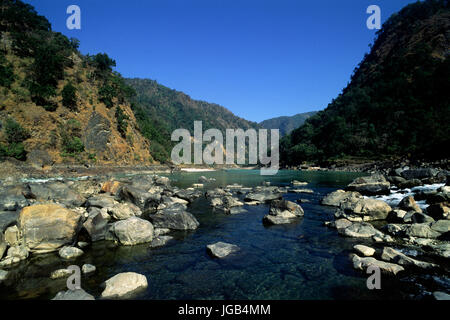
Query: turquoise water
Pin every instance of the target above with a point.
(304, 260)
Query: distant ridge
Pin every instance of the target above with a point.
(287, 124)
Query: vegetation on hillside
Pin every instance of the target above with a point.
(397, 103)
(287, 124)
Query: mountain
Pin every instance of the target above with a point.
(286, 124)
(57, 105)
(397, 102)
(160, 110)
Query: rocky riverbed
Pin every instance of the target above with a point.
(68, 216)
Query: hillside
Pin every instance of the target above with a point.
(286, 124)
(57, 105)
(397, 102)
(160, 110)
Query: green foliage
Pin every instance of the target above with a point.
(69, 95)
(122, 123)
(15, 134)
(73, 146)
(398, 105)
(106, 95)
(6, 72)
(70, 134)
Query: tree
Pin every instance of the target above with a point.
(69, 95)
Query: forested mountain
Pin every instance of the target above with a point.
(287, 124)
(397, 102)
(57, 105)
(160, 110)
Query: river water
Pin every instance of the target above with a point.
(303, 260)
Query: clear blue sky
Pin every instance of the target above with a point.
(260, 59)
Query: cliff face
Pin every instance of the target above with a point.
(73, 108)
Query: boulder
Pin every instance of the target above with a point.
(8, 218)
(123, 211)
(385, 267)
(282, 212)
(88, 268)
(61, 273)
(421, 230)
(72, 295)
(421, 173)
(392, 255)
(19, 252)
(144, 200)
(101, 201)
(439, 211)
(359, 230)
(408, 184)
(364, 250)
(3, 245)
(160, 241)
(264, 196)
(188, 195)
(69, 252)
(58, 192)
(12, 236)
(373, 185)
(124, 285)
(97, 225)
(48, 227)
(335, 198)
(441, 226)
(418, 217)
(441, 296)
(365, 209)
(409, 204)
(162, 181)
(111, 187)
(12, 198)
(174, 218)
(221, 249)
(133, 231)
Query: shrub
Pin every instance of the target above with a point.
(69, 95)
(15, 133)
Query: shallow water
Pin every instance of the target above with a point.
(304, 260)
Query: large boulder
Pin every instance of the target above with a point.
(133, 231)
(124, 285)
(111, 187)
(48, 227)
(335, 198)
(221, 249)
(359, 230)
(58, 192)
(8, 218)
(174, 218)
(72, 295)
(439, 211)
(101, 201)
(282, 212)
(364, 210)
(392, 255)
(421, 230)
(373, 185)
(421, 173)
(146, 201)
(123, 211)
(97, 225)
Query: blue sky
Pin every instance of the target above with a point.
(260, 59)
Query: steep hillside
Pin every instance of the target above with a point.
(57, 105)
(397, 103)
(287, 124)
(160, 110)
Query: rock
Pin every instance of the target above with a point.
(97, 225)
(174, 218)
(307, 191)
(82, 244)
(88, 268)
(397, 215)
(385, 267)
(12, 236)
(133, 231)
(160, 241)
(79, 294)
(61, 273)
(225, 204)
(419, 173)
(438, 295)
(123, 211)
(439, 211)
(396, 180)
(160, 231)
(101, 201)
(12, 198)
(282, 212)
(144, 200)
(221, 249)
(167, 202)
(237, 210)
(162, 181)
(408, 184)
(264, 196)
(365, 209)
(441, 226)
(3, 245)
(373, 185)
(418, 217)
(188, 195)
(204, 179)
(58, 192)
(69, 253)
(298, 183)
(395, 229)
(335, 198)
(391, 255)
(124, 285)
(409, 204)
(217, 193)
(359, 230)
(342, 224)
(421, 230)
(441, 249)
(97, 133)
(48, 227)
(19, 252)
(3, 275)
(111, 187)
(7, 218)
(364, 250)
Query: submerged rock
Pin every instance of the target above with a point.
(124, 285)
(221, 249)
(70, 253)
(88, 268)
(79, 294)
(60, 273)
(385, 267)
